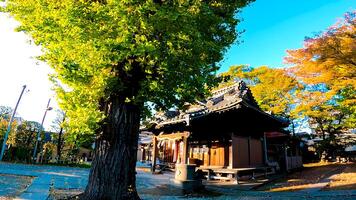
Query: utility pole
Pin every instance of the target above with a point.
(9, 125)
(41, 128)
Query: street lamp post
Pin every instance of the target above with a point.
(9, 125)
(40, 130)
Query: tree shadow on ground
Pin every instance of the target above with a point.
(343, 181)
(169, 190)
(306, 177)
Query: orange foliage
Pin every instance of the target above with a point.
(330, 57)
(327, 62)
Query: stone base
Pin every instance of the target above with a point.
(189, 185)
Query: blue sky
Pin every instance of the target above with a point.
(274, 26)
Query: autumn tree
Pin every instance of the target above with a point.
(25, 134)
(22, 140)
(327, 66)
(5, 114)
(116, 56)
(273, 89)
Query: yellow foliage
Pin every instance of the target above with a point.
(272, 88)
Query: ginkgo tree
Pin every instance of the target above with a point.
(327, 66)
(274, 89)
(114, 57)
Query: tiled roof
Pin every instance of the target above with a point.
(221, 100)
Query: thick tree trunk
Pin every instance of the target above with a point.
(113, 172)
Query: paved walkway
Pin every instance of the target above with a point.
(46, 177)
(60, 177)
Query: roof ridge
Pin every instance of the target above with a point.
(224, 89)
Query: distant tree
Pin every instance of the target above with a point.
(48, 150)
(5, 112)
(327, 66)
(25, 134)
(273, 89)
(119, 57)
(22, 140)
(3, 127)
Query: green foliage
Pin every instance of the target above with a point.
(162, 52)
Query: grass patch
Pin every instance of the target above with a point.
(79, 165)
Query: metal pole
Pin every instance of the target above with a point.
(9, 125)
(39, 132)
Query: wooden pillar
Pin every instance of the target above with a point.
(185, 150)
(143, 156)
(154, 154)
(249, 150)
(285, 157)
(226, 153)
(176, 151)
(265, 148)
(163, 157)
(190, 150)
(208, 157)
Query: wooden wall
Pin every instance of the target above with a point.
(246, 152)
(256, 152)
(215, 155)
(243, 151)
(240, 153)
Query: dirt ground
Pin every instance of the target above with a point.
(335, 176)
(64, 194)
(346, 180)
